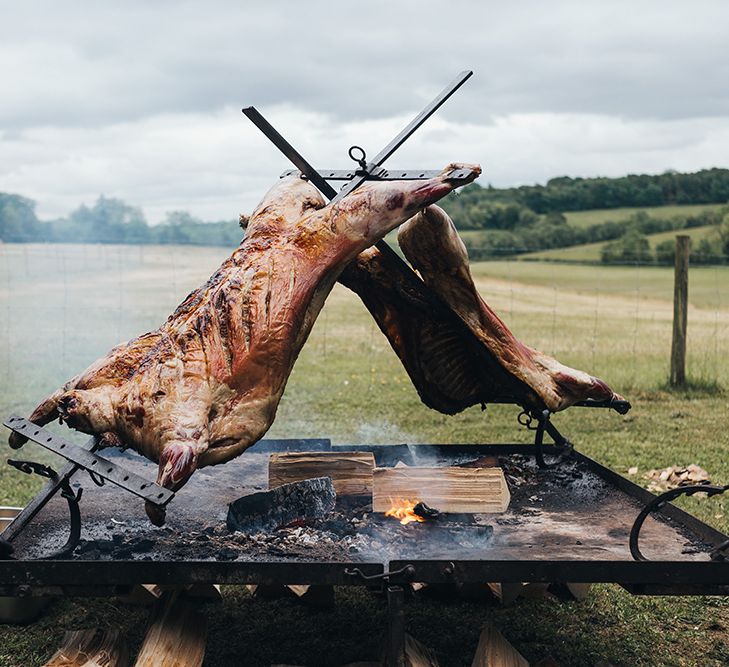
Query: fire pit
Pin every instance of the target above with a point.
(565, 524)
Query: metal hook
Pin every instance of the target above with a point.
(659, 502)
(361, 161)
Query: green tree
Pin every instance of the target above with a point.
(18, 221)
(724, 233)
(109, 220)
(633, 247)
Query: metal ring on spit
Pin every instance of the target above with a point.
(564, 447)
(659, 502)
(361, 161)
(96, 479)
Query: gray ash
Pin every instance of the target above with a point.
(349, 533)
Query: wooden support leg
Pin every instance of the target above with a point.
(396, 626)
(90, 648)
(418, 655)
(494, 651)
(176, 635)
(319, 596)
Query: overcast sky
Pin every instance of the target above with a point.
(141, 100)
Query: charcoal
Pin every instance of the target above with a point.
(143, 545)
(282, 505)
(425, 511)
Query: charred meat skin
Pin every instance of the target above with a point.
(206, 385)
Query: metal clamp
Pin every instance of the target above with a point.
(407, 572)
(102, 468)
(31, 467)
(659, 502)
(74, 535)
(526, 418)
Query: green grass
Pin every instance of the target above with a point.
(63, 306)
(590, 252)
(597, 216)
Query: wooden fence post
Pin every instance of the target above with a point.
(680, 311)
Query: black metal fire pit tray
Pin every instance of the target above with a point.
(570, 523)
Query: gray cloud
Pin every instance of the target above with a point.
(105, 62)
(142, 100)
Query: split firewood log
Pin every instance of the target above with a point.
(176, 634)
(92, 647)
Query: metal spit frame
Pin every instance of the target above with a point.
(42, 577)
(670, 577)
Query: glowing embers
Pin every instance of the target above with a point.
(408, 511)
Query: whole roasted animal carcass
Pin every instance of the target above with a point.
(205, 386)
(455, 348)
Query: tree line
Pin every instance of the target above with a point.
(508, 221)
(476, 204)
(109, 220)
(552, 231)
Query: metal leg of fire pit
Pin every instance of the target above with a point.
(396, 626)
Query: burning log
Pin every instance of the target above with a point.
(351, 472)
(268, 510)
(494, 651)
(452, 490)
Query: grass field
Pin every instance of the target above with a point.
(590, 252)
(596, 216)
(63, 306)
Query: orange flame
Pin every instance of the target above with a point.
(404, 511)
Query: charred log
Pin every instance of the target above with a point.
(298, 502)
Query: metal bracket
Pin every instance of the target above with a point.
(621, 406)
(99, 466)
(716, 554)
(405, 572)
(74, 535)
(526, 418)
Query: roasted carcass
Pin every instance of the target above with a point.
(205, 385)
(457, 351)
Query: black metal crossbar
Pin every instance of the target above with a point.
(381, 175)
(93, 463)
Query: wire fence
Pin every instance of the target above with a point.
(65, 305)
